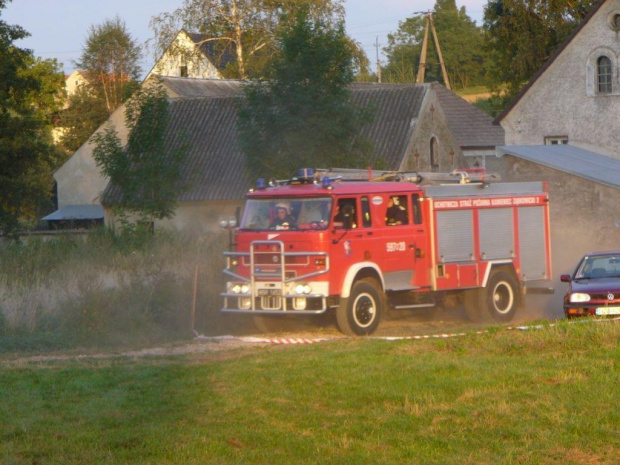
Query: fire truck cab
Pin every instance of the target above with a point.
(319, 243)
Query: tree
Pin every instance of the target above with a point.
(110, 62)
(521, 35)
(461, 43)
(243, 28)
(302, 116)
(85, 112)
(144, 174)
(30, 94)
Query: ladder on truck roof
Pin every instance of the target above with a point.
(459, 176)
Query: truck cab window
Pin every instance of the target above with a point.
(345, 217)
(396, 213)
(366, 219)
(415, 205)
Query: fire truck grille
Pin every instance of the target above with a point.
(271, 302)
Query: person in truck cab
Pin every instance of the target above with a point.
(283, 219)
(396, 214)
(345, 214)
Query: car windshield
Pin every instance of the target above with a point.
(599, 266)
(286, 213)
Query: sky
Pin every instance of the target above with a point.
(59, 28)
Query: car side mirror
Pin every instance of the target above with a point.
(565, 278)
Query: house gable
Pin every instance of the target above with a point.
(562, 102)
(186, 57)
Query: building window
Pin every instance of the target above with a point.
(604, 74)
(434, 155)
(183, 71)
(556, 140)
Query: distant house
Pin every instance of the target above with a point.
(421, 127)
(192, 55)
(563, 127)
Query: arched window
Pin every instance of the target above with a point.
(604, 74)
(434, 155)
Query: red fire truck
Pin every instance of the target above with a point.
(324, 242)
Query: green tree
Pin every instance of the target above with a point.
(85, 112)
(521, 35)
(30, 94)
(110, 65)
(245, 29)
(303, 116)
(110, 62)
(143, 175)
(461, 43)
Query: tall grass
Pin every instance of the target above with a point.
(107, 290)
(546, 396)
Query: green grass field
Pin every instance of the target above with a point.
(544, 396)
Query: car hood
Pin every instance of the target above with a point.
(596, 286)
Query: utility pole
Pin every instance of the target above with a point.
(378, 62)
(430, 24)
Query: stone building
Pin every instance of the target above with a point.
(421, 127)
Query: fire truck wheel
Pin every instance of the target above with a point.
(359, 315)
(502, 296)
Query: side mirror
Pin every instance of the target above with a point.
(565, 278)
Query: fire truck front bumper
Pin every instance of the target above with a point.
(276, 298)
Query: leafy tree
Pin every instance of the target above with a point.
(144, 174)
(83, 115)
(30, 93)
(245, 29)
(521, 35)
(110, 62)
(461, 43)
(303, 116)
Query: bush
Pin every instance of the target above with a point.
(107, 290)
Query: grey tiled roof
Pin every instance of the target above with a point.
(396, 107)
(205, 111)
(471, 127)
(179, 87)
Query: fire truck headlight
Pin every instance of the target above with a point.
(245, 289)
(236, 289)
(245, 303)
(303, 289)
(579, 297)
(299, 303)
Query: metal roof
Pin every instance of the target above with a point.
(76, 212)
(569, 159)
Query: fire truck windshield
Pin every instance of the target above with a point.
(287, 213)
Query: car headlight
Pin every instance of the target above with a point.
(245, 289)
(579, 297)
(303, 289)
(236, 289)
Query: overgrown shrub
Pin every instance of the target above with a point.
(108, 290)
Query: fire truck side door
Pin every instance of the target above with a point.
(403, 238)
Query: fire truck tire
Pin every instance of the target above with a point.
(360, 314)
(501, 296)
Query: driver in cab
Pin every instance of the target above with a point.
(283, 219)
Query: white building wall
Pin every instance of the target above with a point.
(183, 52)
(79, 180)
(563, 101)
